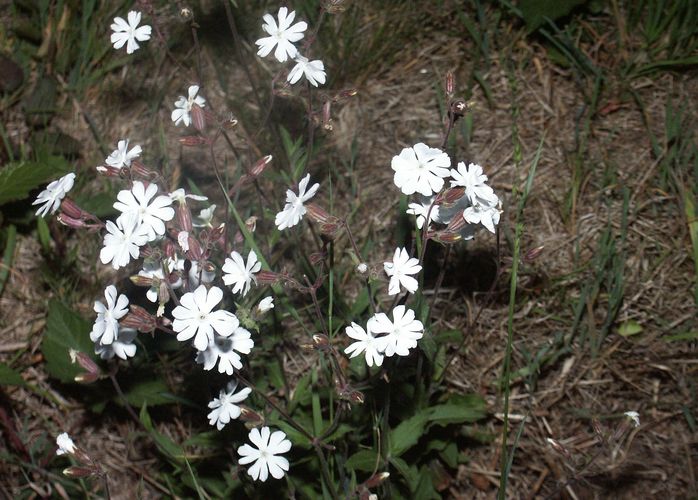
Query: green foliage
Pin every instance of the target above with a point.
(65, 330)
(537, 12)
(8, 376)
(19, 178)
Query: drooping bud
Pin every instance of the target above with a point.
(137, 168)
(79, 472)
(444, 237)
(326, 116)
(184, 217)
(139, 280)
(376, 479)
(251, 417)
(450, 84)
(195, 251)
(321, 341)
(457, 223)
(140, 319)
(343, 95)
(70, 208)
(450, 196)
(69, 221)
(194, 140)
(84, 361)
(108, 171)
(259, 167)
(533, 254)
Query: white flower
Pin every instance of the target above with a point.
(420, 169)
(399, 271)
(422, 209)
(634, 417)
(266, 304)
(123, 241)
(194, 317)
(402, 333)
(121, 156)
(362, 268)
(294, 210)
(314, 71)
(180, 196)
(474, 182)
(129, 32)
(183, 240)
(137, 203)
(65, 444)
(183, 106)
(154, 271)
(224, 351)
(265, 458)
(239, 274)
(53, 194)
(123, 347)
(281, 35)
(366, 343)
(488, 216)
(106, 326)
(205, 217)
(223, 408)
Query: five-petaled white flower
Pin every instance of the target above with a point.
(154, 270)
(265, 455)
(402, 333)
(195, 317)
(239, 274)
(281, 35)
(122, 241)
(224, 407)
(266, 304)
(420, 210)
(121, 157)
(487, 215)
(106, 326)
(475, 184)
(183, 106)
(224, 351)
(420, 169)
(65, 444)
(128, 32)
(314, 71)
(366, 342)
(294, 210)
(399, 271)
(53, 194)
(137, 203)
(123, 346)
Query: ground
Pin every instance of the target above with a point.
(600, 311)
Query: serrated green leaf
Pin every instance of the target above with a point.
(65, 330)
(18, 178)
(629, 328)
(8, 376)
(363, 460)
(406, 435)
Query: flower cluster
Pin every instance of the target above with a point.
(423, 170)
(282, 36)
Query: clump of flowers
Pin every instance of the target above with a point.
(208, 294)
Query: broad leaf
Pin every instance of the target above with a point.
(406, 435)
(536, 12)
(8, 376)
(363, 460)
(19, 178)
(65, 330)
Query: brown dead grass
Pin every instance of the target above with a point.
(396, 108)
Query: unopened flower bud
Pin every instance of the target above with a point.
(533, 254)
(356, 397)
(457, 223)
(444, 237)
(251, 223)
(450, 196)
(140, 319)
(183, 240)
(70, 208)
(198, 118)
(79, 472)
(194, 140)
(268, 277)
(259, 167)
(184, 217)
(317, 213)
(326, 115)
(186, 14)
(376, 479)
(69, 221)
(137, 168)
(345, 94)
(195, 251)
(362, 268)
(557, 446)
(321, 341)
(108, 171)
(84, 361)
(86, 378)
(251, 417)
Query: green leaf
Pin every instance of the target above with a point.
(18, 178)
(100, 204)
(682, 336)
(167, 447)
(457, 413)
(536, 12)
(411, 474)
(151, 392)
(629, 328)
(8, 376)
(363, 460)
(65, 330)
(425, 486)
(406, 435)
